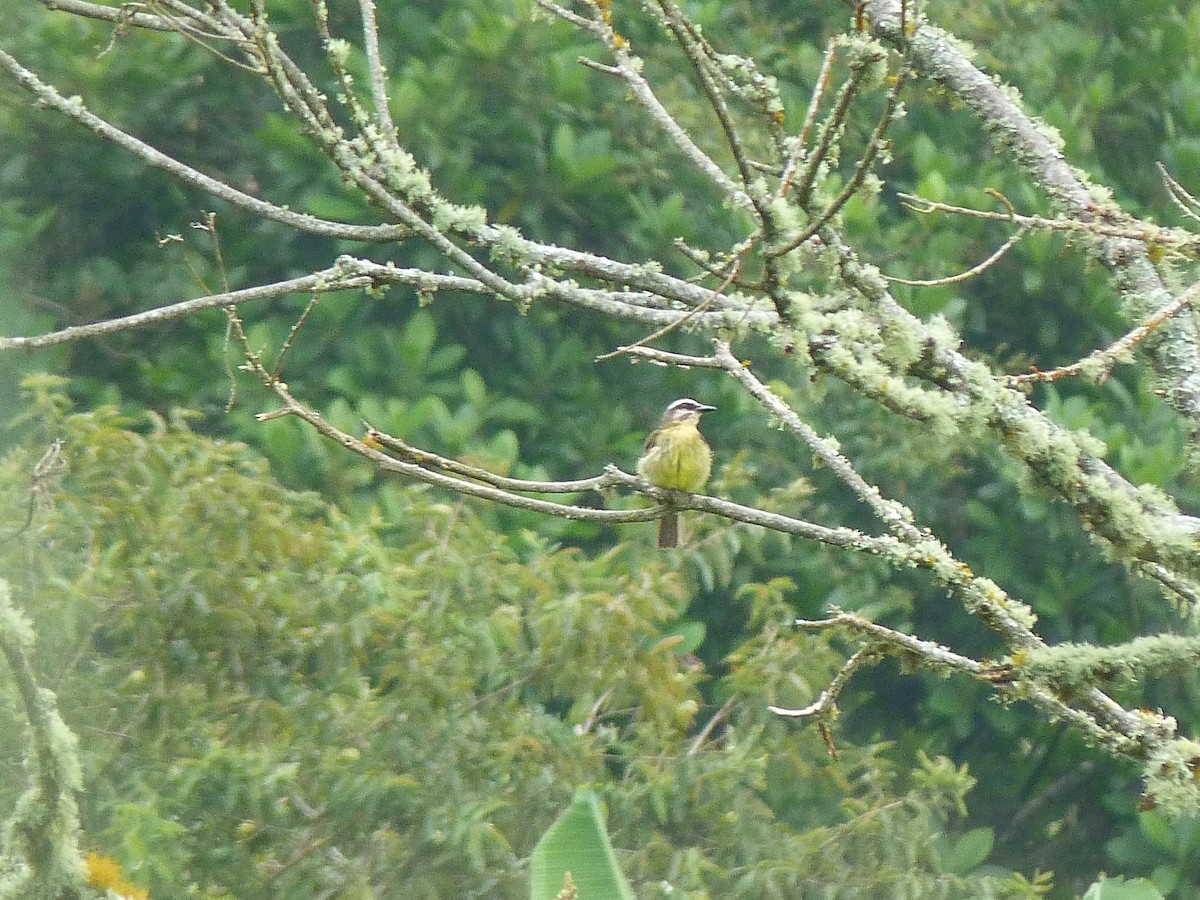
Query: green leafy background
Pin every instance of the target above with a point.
(292, 678)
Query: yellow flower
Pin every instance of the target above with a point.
(104, 873)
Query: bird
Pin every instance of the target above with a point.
(676, 457)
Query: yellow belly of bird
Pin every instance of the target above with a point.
(681, 460)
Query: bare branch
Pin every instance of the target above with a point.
(825, 706)
(1125, 228)
(378, 72)
(629, 68)
(73, 108)
(1127, 734)
(854, 184)
(332, 279)
(1058, 459)
(800, 141)
(970, 273)
(427, 459)
(1187, 204)
(118, 15)
(698, 54)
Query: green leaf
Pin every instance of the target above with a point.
(1157, 828)
(578, 843)
(970, 851)
(1120, 889)
(418, 339)
(691, 631)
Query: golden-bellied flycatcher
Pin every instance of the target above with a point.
(677, 457)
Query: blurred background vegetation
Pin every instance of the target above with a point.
(294, 679)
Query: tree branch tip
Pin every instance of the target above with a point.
(810, 710)
(992, 192)
(589, 63)
(915, 203)
(613, 354)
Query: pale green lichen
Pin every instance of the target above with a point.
(404, 175)
(900, 346)
(1080, 665)
(1054, 452)
(339, 51)
(462, 219)
(863, 51)
(962, 45)
(872, 185)
(1089, 444)
(14, 624)
(784, 216)
(1171, 778)
(1010, 91)
(1021, 613)
(1100, 194)
(871, 376)
(1049, 132)
(41, 835)
(508, 246)
(941, 331)
(1123, 515)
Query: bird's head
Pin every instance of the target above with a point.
(685, 410)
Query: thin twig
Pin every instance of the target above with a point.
(1120, 733)
(681, 321)
(429, 460)
(835, 122)
(825, 705)
(1101, 361)
(704, 732)
(292, 332)
(1135, 230)
(874, 145)
(332, 279)
(74, 109)
(378, 72)
(629, 68)
(1187, 204)
(810, 118)
(685, 35)
(48, 469)
(972, 272)
(667, 358)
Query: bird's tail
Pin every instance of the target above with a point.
(668, 529)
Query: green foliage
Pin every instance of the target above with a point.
(1166, 848)
(281, 701)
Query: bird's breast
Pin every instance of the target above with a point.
(680, 460)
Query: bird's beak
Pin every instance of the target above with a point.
(704, 408)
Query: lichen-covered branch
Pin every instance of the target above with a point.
(1175, 349)
(40, 854)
